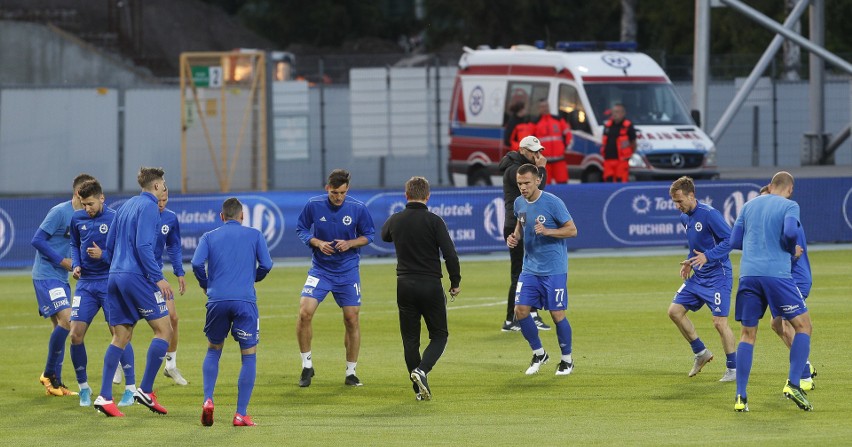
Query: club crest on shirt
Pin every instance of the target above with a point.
(347, 220)
(104, 228)
(541, 219)
(698, 226)
(164, 229)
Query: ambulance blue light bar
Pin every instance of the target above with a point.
(595, 46)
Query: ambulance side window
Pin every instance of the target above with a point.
(571, 108)
(526, 93)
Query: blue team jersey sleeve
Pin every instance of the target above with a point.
(366, 227)
(198, 260)
(305, 223)
(722, 235)
(736, 239)
(146, 236)
(75, 243)
(264, 261)
(173, 247)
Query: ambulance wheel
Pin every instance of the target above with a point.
(478, 177)
(593, 176)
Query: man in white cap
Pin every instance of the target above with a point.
(529, 151)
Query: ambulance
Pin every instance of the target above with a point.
(580, 85)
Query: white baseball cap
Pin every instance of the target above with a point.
(531, 143)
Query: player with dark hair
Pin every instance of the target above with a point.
(544, 224)
(236, 258)
(137, 290)
(418, 235)
(90, 266)
(711, 278)
(335, 226)
(52, 289)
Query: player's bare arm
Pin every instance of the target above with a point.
(568, 229)
(342, 245)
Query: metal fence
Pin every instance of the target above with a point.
(47, 136)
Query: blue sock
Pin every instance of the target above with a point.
(128, 365)
(156, 352)
(563, 334)
(731, 361)
(799, 352)
(530, 332)
(245, 384)
(210, 371)
(113, 353)
(80, 360)
(745, 354)
(697, 345)
(55, 349)
(60, 359)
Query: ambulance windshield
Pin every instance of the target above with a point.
(646, 104)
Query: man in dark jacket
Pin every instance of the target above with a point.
(529, 151)
(418, 235)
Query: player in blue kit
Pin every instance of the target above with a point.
(544, 224)
(168, 236)
(801, 272)
(90, 266)
(136, 290)
(52, 289)
(334, 226)
(236, 258)
(711, 280)
(766, 231)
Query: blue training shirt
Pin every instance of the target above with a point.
(86, 232)
(236, 257)
(543, 255)
(759, 229)
(707, 232)
(57, 225)
(322, 220)
(131, 239)
(168, 236)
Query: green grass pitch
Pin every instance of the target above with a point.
(630, 385)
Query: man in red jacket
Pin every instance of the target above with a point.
(555, 135)
(617, 145)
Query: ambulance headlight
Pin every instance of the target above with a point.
(636, 161)
(710, 157)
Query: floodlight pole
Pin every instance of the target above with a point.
(701, 61)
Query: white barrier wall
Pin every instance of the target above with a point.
(47, 136)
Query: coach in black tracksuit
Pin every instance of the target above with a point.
(418, 235)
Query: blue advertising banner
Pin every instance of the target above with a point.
(606, 215)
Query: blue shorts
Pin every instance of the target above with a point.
(52, 296)
(89, 298)
(717, 296)
(345, 288)
(542, 292)
(131, 297)
(240, 318)
(757, 292)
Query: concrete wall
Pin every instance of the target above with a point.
(33, 54)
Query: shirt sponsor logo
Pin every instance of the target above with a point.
(7, 233)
